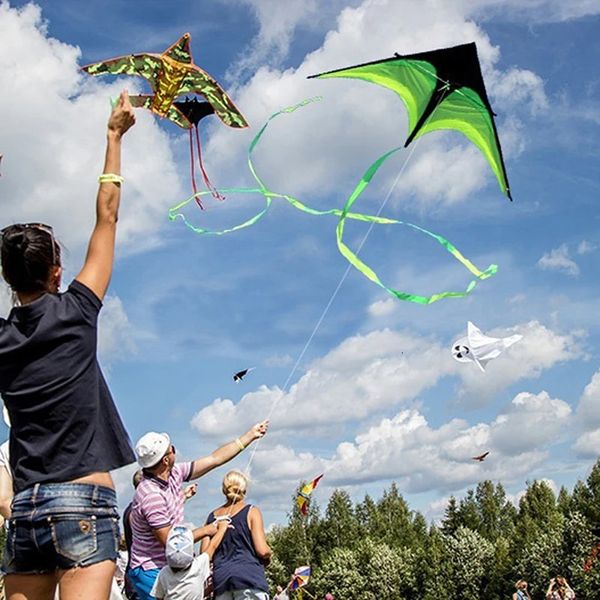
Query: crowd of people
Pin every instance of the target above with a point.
(56, 492)
(66, 436)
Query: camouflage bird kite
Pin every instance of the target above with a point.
(173, 74)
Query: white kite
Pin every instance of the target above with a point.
(480, 348)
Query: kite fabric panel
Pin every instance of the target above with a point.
(170, 75)
(303, 498)
(480, 348)
(441, 89)
(342, 214)
(300, 578)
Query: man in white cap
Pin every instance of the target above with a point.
(184, 576)
(158, 502)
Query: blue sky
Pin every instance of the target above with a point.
(376, 396)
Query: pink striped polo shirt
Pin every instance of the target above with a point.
(156, 504)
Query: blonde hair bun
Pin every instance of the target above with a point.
(235, 486)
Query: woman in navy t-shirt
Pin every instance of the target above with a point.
(66, 432)
(238, 563)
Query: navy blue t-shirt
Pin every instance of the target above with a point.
(235, 563)
(64, 421)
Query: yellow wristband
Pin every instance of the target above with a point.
(239, 443)
(110, 178)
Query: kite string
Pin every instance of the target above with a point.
(330, 302)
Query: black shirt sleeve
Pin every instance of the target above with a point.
(87, 301)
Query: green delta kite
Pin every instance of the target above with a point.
(442, 89)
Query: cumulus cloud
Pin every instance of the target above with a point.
(421, 457)
(53, 133)
(348, 139)
(559, 259)
(116, 334)
(5, 298)
(585, 247)
(277, 23)
(369, 374)
(382, 308)
(365, 374)
(588, 419)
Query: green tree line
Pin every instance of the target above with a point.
(381, 549)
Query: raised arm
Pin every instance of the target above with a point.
(162, 533)
(225, 453)
(210, 547)
(257, 529)
(97, 269)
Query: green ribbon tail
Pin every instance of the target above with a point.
(342, 214)
(368, 272)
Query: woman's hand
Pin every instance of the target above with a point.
(259, 430)
(122, 117)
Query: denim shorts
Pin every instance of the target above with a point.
(61, 526)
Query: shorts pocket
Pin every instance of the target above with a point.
(74, 537)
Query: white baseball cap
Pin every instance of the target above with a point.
(151, 447)
(180, 547)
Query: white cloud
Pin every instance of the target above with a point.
(532, 421)
(365, 374)
(382, 308)
(585, 247)
(517, 86)
(588, 444)
(335, 140)
(422, 458)
(53, 137)
(558, 259)
(588, 409)
(368, 374)
(277, 23)
(116, 334)
(588, 419)
(6, 303)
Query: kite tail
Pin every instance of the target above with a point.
(214, 192)
(196, 196)
(343, 214)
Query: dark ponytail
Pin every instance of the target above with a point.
(28, 255)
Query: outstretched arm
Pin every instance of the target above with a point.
(210, 547)
(225, 453)
(97, 269)
(162, 534)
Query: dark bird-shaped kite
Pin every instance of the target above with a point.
(241, 374)
(481, 457)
